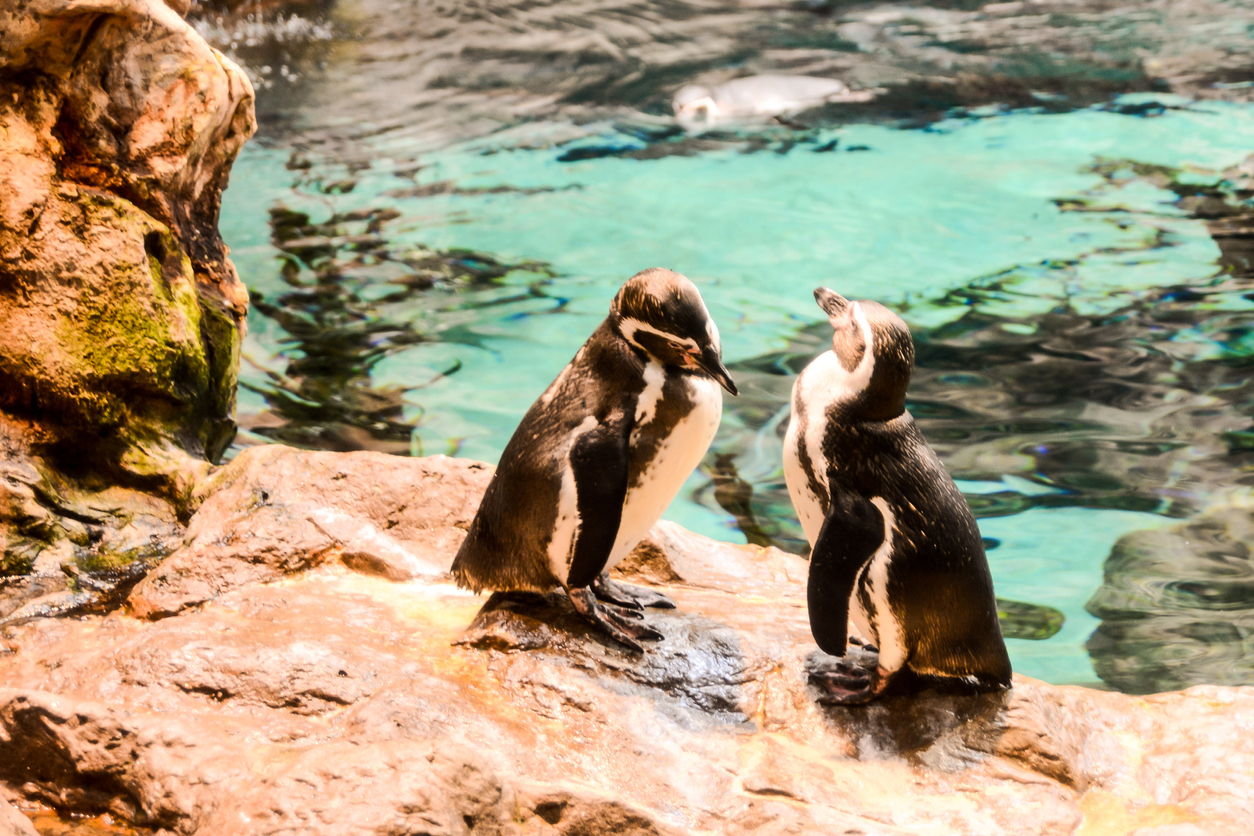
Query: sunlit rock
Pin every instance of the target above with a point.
(275, 511)
(314, 699)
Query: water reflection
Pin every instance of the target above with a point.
(341, 319)
(1095, 359)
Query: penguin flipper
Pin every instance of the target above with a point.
(851, 533)
(599, 460)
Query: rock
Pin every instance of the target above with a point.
(1177, 605)
(308, 698)
(276, 510)
(120, 313)
(13, 823)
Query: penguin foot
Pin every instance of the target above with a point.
(865, 644)
(849, 684)
(625, 595)
(622, 625)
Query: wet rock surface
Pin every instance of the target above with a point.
(120, 313)
(326, 700)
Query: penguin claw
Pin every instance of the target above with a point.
(858, 641)
(623, 626)
(849, 684)
(621, 612)
(630, 597)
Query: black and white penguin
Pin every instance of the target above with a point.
(600, 455)
(894, 547)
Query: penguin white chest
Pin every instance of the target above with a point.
(677, 454)
(823, 381)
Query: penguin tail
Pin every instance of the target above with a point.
(464, 578)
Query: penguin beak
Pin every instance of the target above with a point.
(712, 364)
(832, 303)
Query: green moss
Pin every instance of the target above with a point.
(19, 556)
(222, 343)
(136, 331)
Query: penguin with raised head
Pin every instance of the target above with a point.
(601, 454)
(895, 550)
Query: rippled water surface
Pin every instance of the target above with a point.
(430, 232)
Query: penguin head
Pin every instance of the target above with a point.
(875, 348)
(693, 102)
(661, 313)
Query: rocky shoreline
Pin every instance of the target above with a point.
(336, 681)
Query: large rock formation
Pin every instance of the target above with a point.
(302, 696)
(120, 313)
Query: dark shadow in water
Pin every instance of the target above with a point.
(338, 328)
(1145, 408)
(1177, 606)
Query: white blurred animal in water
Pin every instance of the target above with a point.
(759, 96)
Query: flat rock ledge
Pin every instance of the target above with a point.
(304, 665)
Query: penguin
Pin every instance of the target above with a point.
(895, 550)
(601, 454)
(759, 96)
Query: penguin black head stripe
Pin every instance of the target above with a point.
(661, 313)
(895, 550)
(600, 455)
(875, 347)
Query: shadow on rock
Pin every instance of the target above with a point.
(699, 662)
(946, 732)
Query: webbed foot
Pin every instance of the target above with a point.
(622, 625)
(625, 595)
(865, 644)
(847, 683)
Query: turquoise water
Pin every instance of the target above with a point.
(909, 218)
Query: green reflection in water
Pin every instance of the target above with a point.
(970, 228)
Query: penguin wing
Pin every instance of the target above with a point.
(851, 533)
(599, 460)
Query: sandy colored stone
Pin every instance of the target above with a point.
(326, 700)
(276, 510)
(13, 823)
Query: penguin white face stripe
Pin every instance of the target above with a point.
(646, 404)
(566, 526)
(888, 632)
(861, 376)
(827, 380)
(630, 326)
(712, 330)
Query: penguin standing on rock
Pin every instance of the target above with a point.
(894, 547)
(600, 455)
